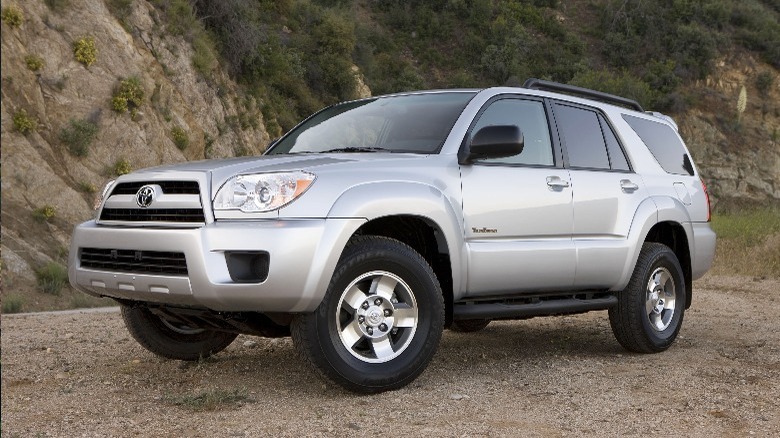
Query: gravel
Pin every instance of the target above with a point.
(80, 374)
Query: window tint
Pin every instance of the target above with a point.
(530, 117)
(616, 156)
(663, 142)
(582, 136)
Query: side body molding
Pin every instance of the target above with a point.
(406, 199)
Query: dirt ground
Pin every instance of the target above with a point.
(80, 374)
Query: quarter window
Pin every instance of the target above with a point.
(664, 144)
(530, 117)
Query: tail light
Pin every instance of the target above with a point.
(707, 196)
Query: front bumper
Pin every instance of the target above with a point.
(303, 256)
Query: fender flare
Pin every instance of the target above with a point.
(652, 211)
(375, 200)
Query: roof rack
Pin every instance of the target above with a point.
(540, 84)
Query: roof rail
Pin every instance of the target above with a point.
(540, 84)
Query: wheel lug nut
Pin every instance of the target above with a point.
(388, 312)
(361, 319)
(365, 305)
(383, 327)
(378, 301)
(370, 331)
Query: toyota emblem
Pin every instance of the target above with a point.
(145, 196)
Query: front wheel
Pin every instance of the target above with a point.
(650, 310)
(380, 321)
(172, 340)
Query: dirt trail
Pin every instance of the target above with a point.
(82, 375)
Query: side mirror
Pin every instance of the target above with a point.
(497, 141)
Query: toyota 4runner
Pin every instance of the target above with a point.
(375, 224)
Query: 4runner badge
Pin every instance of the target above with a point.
(145, 196)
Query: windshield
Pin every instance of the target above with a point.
(416, 123)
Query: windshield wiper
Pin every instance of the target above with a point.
(355, 149)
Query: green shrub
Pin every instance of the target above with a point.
(87, 187)
(204, 58)
(78, 135)
(85, 51)
(122, 167)
(180, 138)
(57, 5)
(52, 277)
(44, 214)
(129, 95)
(24, 123)
(13, 16)
(764, 82)
(12, 303)
(120, 8)
(33, 62)
(624, 84)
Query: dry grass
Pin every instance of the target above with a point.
(748, 243)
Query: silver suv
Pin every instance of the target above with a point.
(375, 224)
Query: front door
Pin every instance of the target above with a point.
(518, 210)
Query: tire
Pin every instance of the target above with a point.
(380, 321)
(649, 312)
(469, 325)
(170, 341)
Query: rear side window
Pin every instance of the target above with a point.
(663, 142)
(583, 137)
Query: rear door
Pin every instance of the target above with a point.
(518, 210)
(606, 194)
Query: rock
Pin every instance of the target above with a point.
(250, 344)
(39, 165)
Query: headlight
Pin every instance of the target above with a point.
(262, 192)
(99, 199)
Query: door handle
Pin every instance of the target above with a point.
(628, 186)
(556, 183)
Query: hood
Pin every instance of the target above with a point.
(221, 170)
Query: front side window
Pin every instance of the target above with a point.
(417, 123)
(530, 117)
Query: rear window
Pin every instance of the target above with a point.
(663, 142)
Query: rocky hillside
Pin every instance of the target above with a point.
(737, 148)
(63, 136)
(95, 88)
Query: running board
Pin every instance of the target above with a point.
(529, 310)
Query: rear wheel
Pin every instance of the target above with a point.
(380, 321)
(469, 325)
(650, 310)
(173, 340)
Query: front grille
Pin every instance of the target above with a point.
(153, 215)
(168, 187)
(128, 260)
(182, 206)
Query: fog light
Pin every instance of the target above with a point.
(248, 266)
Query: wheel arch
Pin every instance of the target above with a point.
(663, 220)
(419, 215)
